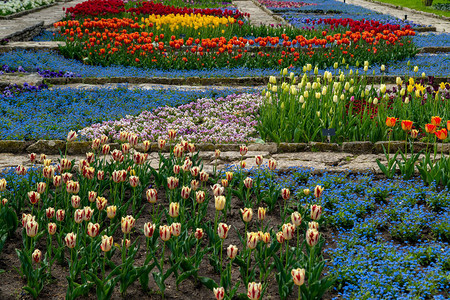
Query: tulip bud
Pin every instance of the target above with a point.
(107, 243)
(79, 216)
(33, 157)
(37, 256)
(175, 229)
(203, 176)
(51, 227)
(103, 139)
(258, 160)
(272, 79)
(50, 212)
(219, 202)
(288, 231)
(31, 228)
(195, 171)
(105, 149)
(219, 292)
(247, 214)
(222, 230)
(172, 182)
(101, 203)
(248, 182)
(217, 189)
(285, 194)
(312, 237)
(243, 150)
(127, 224)
(296, 218)
(60, 214)
(382, 68)
(174, 209)
(88, 212)
(164, 232)
(416, 69)
(313, 225)
(318, 190)
(93, 229)
(111, 211)
(254, 290)
(414, 133)
(280, 237)
(252, 240)
(100, 175)
(71, 136)
(261, 213)
(198, 233)
(21, 170)
(316, 211)
(232, 251)
(33, 196)
(57, 180)
(71, 240)
(195, 184)
(298, 275)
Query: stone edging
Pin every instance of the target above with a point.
(26, 33)
(28, 11)
(238, 81)
(59, 146)
(428, 14)
(271, 13)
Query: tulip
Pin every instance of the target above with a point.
(93, 229)
(247, 214)
(272, 164)
(60, 214)
(42, 157)
(161, 144)
(229, 176)
(164, 232)
(175, 229)
(134, 181)
(152, 195)
(33, 196)
(265, 238)
(95, 144)
(313, 226)
(261, 213)
(149, 229)
(390, 121)
(430, 128)
(406, 125)
(172, 182)
(27, 218)
(216, 153)
(75, 200)
(71, 240)
(254, 290)
(298, 275)
(224, 183)
(139, 158)
(111, 211)
(448, 125)
(50, 212)
(318, 190)
(232, 251)
(125, 149)
(37, 256)
(57, 180)
(126, 243)
(174, 209)
(127, 224)
(222, 230)
(191, 147)
(4, 202)
(33, 157)
(219, 293)
(306, 192)
(195, 171)
(51, 227)
(243, 164)
(198, 233)
(436, 121)
(88, 213)
(79, 216)
(117, 155)
(220, 202)
(172, 134)
(200, 197)
(252, 240)
(248, 182)
(258, 160)
(285, 194)
(312, 237)
(21, 170)
(178, 151)
(316, 211)
(414, 133)
(185, 192)
(280, 237)
(105, 149)
(47, 162)
(65, 164)
(296, 218)
(119, 176)
(73, 187)
(101, 203)
(32, 228)
(217, 189)
(441, 134)
(71, 136)
(243, 150)
(288, 231)
(107, 243)
(132, 139)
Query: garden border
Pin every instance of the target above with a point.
(28, 11)
(81, 147)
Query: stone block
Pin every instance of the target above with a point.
(11, 146)
(357, 147)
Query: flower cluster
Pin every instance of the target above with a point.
(15, 6)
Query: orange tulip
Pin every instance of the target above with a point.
(441, 134)
(448, 125)
(430, 128)
(407, 125)
(390, 121)
(436, 120)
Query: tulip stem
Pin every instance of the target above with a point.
(162, 258)
(287, 250)
(248, 266)
(221, 249)
(215, 221)
(50, 256)
(103, 269)
(299, 293)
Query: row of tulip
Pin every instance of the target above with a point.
(83, 211)
(346, 103)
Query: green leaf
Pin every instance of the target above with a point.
(208, 282)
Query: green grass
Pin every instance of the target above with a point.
(418, 5)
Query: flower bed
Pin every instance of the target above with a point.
(381, 237)
(14, 6)
(180, 38)
(57, 111)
